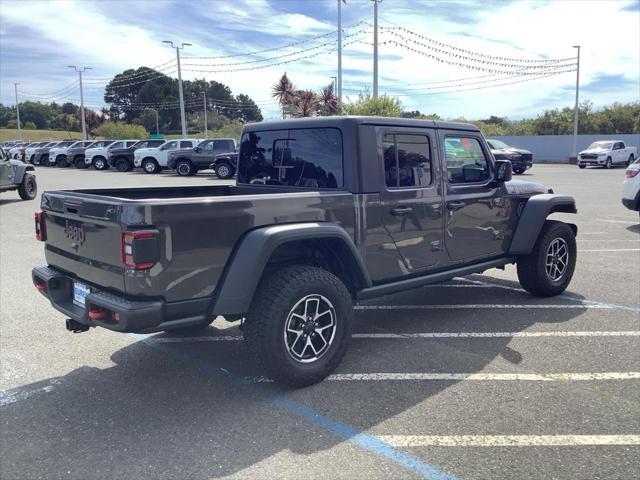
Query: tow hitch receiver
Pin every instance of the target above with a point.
(75, 327)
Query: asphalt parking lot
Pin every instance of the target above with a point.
(473, 378)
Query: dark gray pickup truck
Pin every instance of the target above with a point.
(325, 212)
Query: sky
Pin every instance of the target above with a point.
(39, 39)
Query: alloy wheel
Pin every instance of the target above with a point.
(557, 259)
(310, 328)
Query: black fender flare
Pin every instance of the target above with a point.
(246, 266)
(533, 216)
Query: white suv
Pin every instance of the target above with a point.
(152, 160)
(631, 187)
(98, 154)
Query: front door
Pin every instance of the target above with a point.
(476, 212)
(6, 170)
(412, 199)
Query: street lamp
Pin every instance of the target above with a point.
(574, 154)
(182, 115)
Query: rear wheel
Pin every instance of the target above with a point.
(548, 269)
(184, 168)
(100, 163)
(78, 162)
(122, 165)
(299, 325)
(28, 189)
(224, 170)
(61, 162)
(149, 165)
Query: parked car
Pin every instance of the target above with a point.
(631, 187)
(225, 165)
(189, 162)
(75, 153)
(17, 175)
(520, 158)
(152, 160)
(325, 212)
(123, 158)
(29, 152)
(17, 151)
(97, 155)
(98, 145)
(607, 154)
(41, 154)
(58, 154)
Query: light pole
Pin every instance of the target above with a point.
(333, 85)
(84, 126)
(15, 85)
(204, 98)
(375, 47)
(574, 154)
(182, 115)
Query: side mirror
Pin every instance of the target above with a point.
(503, 171)
(197, 149)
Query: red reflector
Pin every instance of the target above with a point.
(116, 317)
(41, 285)
(98, 313)
(632, 173)
(41, 230)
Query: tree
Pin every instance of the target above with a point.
(285, 92)
(112, 130)
(29, 126)
(327, 102)
(148, 120)
(365, 104)
(248, 111)
(306, 103)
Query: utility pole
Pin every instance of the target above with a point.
(204, 97)
(15, 85)
(333, 85)
(574, 154)
(84, 126)
(339, 91)
(182, 115)
(375, 47)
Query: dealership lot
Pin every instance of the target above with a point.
(469, 379)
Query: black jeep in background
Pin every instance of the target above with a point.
(325, 212)
(122, 158)
(189, 162)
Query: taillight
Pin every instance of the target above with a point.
(633, 173)
(41, 229)
(140, 249)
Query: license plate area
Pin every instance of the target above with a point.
(80, 292)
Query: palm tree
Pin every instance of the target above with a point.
(284, 92)
(306, 103)
(328, 102)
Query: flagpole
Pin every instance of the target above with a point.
(340, 55)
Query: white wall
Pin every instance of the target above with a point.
(557, 148)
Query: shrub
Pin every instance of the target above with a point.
(365, 104)
(112, 131)
(30, 126)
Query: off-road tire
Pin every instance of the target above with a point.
(531, 268)
(123, 165)
(224, 170)
(150, 166)
(264, 327)
(28, 189)
(184, 168)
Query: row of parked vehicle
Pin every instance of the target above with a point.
(186, 156)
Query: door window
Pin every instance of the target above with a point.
(207, 147)
(186, 144)
(618, 146)
(117, 145)
(170, 145)
(466, 161)
(407, 160)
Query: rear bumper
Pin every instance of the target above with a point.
(124, 314)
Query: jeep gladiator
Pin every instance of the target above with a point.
(325, 212)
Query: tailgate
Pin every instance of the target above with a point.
(84, 238)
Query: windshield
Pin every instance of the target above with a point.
(600, 146)
(497, 144)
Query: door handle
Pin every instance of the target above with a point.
(401, 211)
(455, 205)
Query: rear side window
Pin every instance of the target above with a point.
(407, 160)
(305, 158)
(466, 161)
(117, 145)
(186, 144)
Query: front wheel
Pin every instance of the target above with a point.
(548, 269)
(518, 170)
(100, 163)
(608, 164)
(150, 166)
(582, 166)
(80, 163)
(299, 325)
(28, 189)
(224, 170)
(122, 165)
(184, 168)
(61, 162)
(630, 160)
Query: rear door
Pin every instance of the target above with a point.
(476, 210)
(411, 198)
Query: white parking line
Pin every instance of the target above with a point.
(624, 222)
(220, 338)
(474, 306)
(7, 397)
(489, 377)
(507, 440)
(611, 250)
